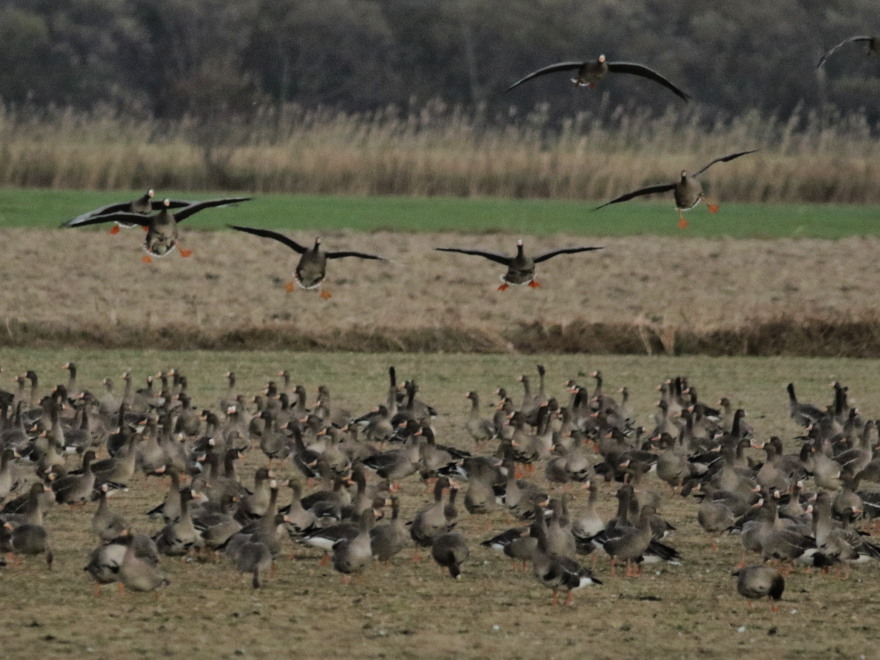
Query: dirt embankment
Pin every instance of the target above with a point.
(642, 294)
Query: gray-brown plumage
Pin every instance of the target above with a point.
(351, 556)
(391, 537)
(138, 572)
(26, 539)
(254, 557)
(76, 488)
(687, 191)
(142, 205)
(759, 581)
(162, 234)
(312, 266)
(450, 551)
(520, 267)
(591, 72)
(106, 524)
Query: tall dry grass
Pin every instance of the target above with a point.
(440, 150)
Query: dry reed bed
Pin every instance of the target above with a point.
(639, 294)
(437, 150)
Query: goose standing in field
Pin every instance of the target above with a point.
(312, 266)
(520, 267)
(389, 538)
(802, 414)
(873, 44)
(162, 233)
(106, 524)
(480, 428)
(687, 191)
(450, 551)
(591, 72)
(352, 555)
(760, 581)
(555, 572)
(143, 205)
(137, 572)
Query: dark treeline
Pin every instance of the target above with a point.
(216, 58)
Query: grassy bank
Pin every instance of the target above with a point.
(37, 208)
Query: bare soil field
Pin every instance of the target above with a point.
(639, 294)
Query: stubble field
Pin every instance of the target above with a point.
(410, 609)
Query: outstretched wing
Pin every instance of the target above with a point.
(645, 72)
(571, 250)
(498, 258)
(552, 68)
(839, 46)
(723, 159)
(118, 216)
(281, 238)
(81, 219)
(115, 208)
(195, 207)
(663, 187)
(349, 253)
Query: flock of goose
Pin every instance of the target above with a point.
(358, 462)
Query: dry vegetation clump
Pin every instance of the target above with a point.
(639, 295)
(441, 150)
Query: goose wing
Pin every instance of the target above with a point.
(268, 233)
(645, 72)
(551, 68)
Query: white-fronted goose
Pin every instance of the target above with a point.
(254, 557)
(178, 537)
(555, 572)
(431, 522)
(76, 488)
(517, 543)
(629, 543)
(520, 267)
(351, 556)
(105, 560)
(143, 205)
(312, 267)
(803, 414)
(450, 551)
(26, 539)
(480, 428)
(106, 524)
(162, 232)
(688, 191)
(589, 73)
(9, 480)
(873, 44)
(759, 581)
(137, 572)
(391, 537)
